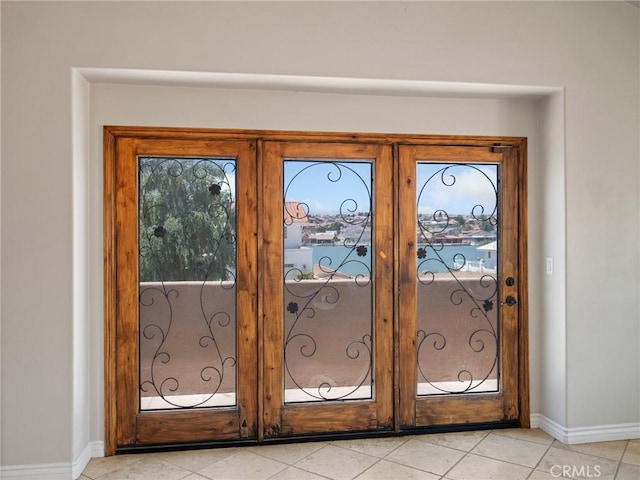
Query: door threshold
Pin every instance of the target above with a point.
(324, 437)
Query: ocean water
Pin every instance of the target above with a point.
(347, 260)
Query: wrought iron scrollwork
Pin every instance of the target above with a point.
(300, 343)
(186, 248)
(475, 293)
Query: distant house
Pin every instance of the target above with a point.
(322, 238)
(490, 251)
(295, 217)
(297, 259)
(480, 237)
(351, 234)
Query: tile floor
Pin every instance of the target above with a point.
(481, 455)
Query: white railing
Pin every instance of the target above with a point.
(476, 266)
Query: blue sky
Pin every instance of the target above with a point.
(456, 189)
(323, 186)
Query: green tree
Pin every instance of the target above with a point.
(186, 219)
(485, 224)
(336, 226)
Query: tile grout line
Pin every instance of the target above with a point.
(402, 464)
(471, 452)
(567, 447)
(466, 453)
(535, 468)
(385, 458)
(322, 448)
(624, 450)
(211, 464)
(289, 464)
(510, 462)
(298, 468)
(367, 469)
(460, 460)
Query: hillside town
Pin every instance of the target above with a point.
(303, 233)
(336, 229)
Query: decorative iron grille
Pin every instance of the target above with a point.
(459, 352)
(309, 298)
(187, 282)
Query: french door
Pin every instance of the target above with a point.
(181, 345)
(460, 281)
(270, 285)
(328, 331)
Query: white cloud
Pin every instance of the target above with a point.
(459, 190)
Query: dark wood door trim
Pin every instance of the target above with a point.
(515, 146)
(511, 403)
(126, 425)
(303, 419)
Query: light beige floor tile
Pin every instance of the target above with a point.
(376, 447)
(459, 440)
(610, 450)
(529, 434)
(336, 463)
(243, 465)
(426, 456)
(293, 473)
(556, 460)
(288, 453)
(628, 472)
(540, 475)
(482, 468)
(385, 470)
(147, 468)
(410, 457)
(98, 467)
(195, 460)
(632, 453)
(511, 450)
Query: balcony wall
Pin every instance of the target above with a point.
(189, 329)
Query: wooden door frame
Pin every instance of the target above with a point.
(435, 411)
(111, 133)
(295, 419)
(133, 427)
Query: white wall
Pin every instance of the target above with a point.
(584, 168)
(551, 239)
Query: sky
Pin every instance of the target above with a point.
(323, 186)
(329, 187)
(456, 189)
(326, 186)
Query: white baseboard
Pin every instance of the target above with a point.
(92, 450)
(54, 471)
(97, 449)
(45, 471)
(596, 433)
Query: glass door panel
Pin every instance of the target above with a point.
(328, 285)
(187, 282)
(458, 285)
(329, 334)
(457, 239)
(186, 309)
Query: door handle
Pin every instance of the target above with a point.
(510, 301)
